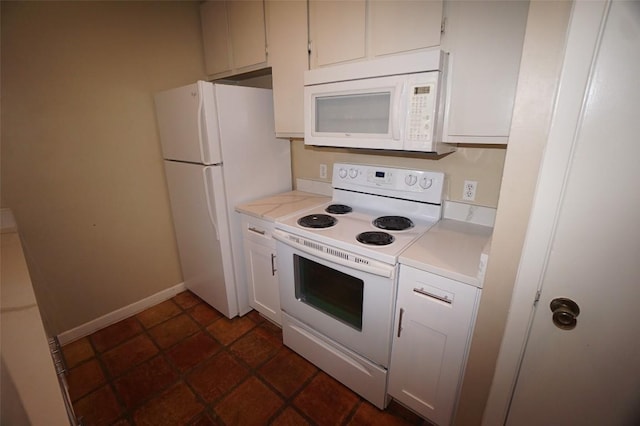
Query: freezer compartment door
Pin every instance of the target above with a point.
(202, 233)
(187, 122)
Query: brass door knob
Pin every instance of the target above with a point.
(565, 313)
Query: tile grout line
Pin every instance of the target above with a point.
(208, 410)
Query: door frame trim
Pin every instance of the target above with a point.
(583, 40)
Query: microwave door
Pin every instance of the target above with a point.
(354, 114)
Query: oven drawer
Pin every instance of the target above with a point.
(352, 370)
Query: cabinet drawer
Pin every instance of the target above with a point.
(258, 230)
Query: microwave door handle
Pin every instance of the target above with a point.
(395, 120)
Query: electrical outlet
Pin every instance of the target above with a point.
(469, 190)
(323, 171)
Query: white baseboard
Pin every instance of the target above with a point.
(119, 314)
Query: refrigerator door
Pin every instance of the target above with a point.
(256, 164)
(201, 226)
(187, 122)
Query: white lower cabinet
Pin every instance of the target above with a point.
(433, 325)
(260, 262)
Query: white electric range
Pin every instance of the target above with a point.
(338, 264)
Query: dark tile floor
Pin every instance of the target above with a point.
(183, 363)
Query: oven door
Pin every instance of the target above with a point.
(350, 306)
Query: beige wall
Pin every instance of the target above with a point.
(480, 163)
(81, 163)
(537, 85)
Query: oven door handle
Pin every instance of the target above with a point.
(376, 268)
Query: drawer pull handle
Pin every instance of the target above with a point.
(273, 266)
(256, 230)
(400, 322)
(433, 296)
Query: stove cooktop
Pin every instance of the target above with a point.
(343, 234)
(388, 207)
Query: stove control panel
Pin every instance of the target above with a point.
(418, 185)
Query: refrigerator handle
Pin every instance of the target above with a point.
(200, 123)
(212, 218)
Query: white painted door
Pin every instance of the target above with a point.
(585, 235)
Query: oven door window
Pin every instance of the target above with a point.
(333, 292)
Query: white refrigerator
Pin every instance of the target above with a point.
(220, 150)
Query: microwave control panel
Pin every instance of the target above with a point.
(421, 111)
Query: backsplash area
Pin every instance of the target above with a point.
(482, 164)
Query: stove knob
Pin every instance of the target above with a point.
(342, 173)
(353, 173)
(426, 183)
(410, 180)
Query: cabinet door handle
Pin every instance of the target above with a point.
(256, 230)
(273, 267)
(400, 321)
(433, 296)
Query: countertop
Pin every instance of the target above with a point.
(281, 205)
(453, 249)
(30, 385)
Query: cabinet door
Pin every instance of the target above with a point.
(247, 32)
(264, 295)
(215, 37)
(337, 31)
(484, 39)
(399, 26)
(260, 265)
(434, 317)
(289, 59)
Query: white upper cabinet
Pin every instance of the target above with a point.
(343, 31)
(484, 40)
(399, 26)
(234, 36)
(215, 37)
(288, 59)
(337, 31)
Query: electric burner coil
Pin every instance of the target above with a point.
(338, 209)
(317, 221)
(375, 238)
(393, 223)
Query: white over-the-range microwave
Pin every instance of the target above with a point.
(391, 103)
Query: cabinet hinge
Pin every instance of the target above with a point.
(309, 48)
(535, 301)
(443, 25)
